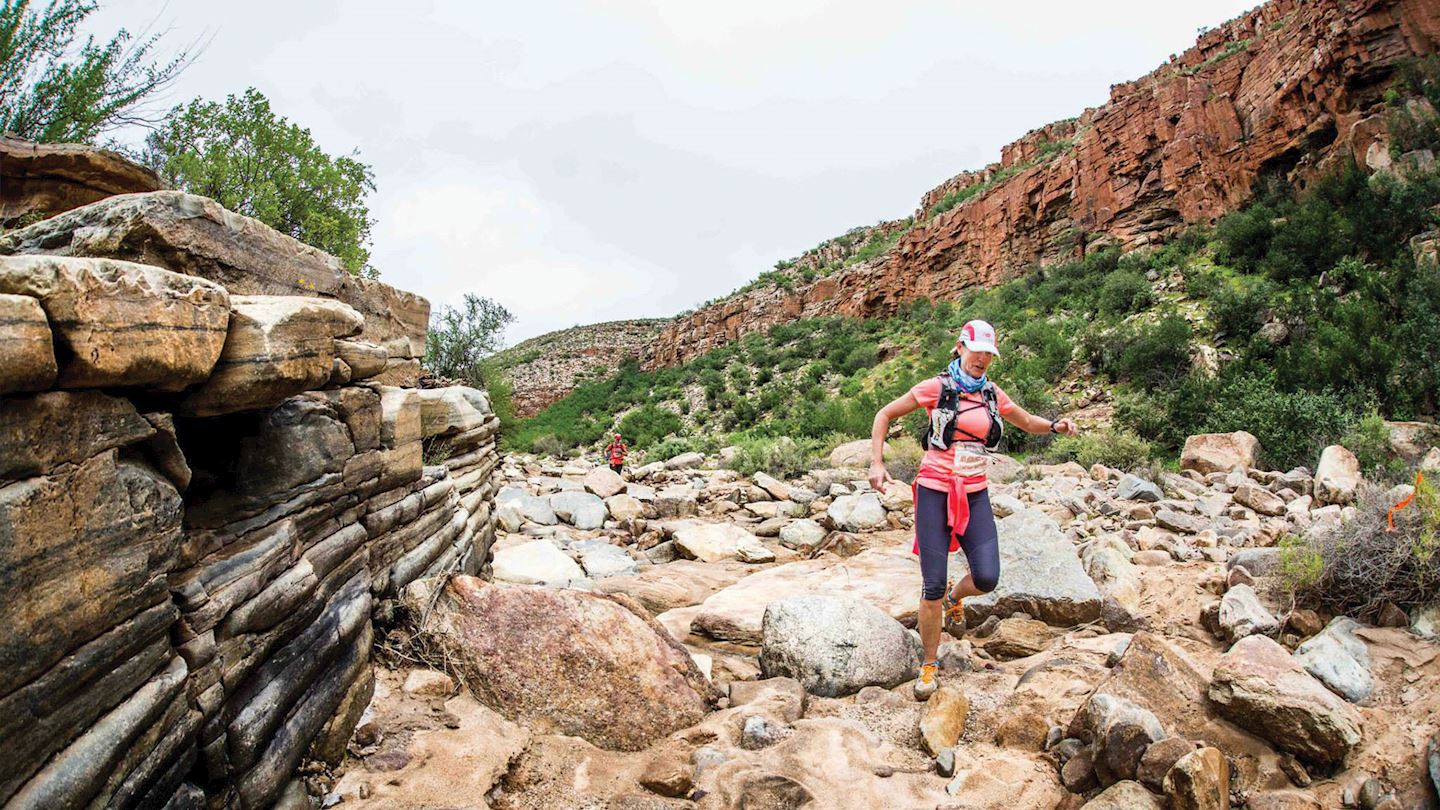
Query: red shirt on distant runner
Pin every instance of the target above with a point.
(616, 451)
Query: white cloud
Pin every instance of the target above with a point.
(589, 160)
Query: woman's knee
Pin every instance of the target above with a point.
(985, 581)
(932, 591)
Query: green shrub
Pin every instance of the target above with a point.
(648, 424)
(672, 447)
(1153, 355)
(1369, 439)
(549, 445)
(1125, 291)
(1292, 426)
(781, 457)
(1117, 448)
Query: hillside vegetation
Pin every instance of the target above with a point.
(1295, 318)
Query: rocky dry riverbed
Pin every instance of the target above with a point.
(686, 637)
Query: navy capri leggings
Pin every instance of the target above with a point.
(979, 542)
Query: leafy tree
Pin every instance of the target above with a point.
(244, 156)
(52, 90)
(461, 337)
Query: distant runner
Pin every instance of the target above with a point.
(615, 451)
(952, 502)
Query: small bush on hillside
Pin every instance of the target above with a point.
(549, 445)
(1369, 439)
(1125, 291)
(1361, 566)
(648, 424)
(1117, 448)
(1152, 355)
(1239, 310)
(781, 457)
(668, 449)
(1292, 426)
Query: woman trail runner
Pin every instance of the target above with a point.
(615, 452)
(952, 503)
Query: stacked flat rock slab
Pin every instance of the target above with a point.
(44, 179)
(198, 237)
(190, 584)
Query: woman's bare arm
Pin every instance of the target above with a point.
(901, 405)
(1030, 423)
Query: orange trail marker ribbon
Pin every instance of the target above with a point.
(1390, 518)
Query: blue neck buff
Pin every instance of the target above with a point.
(966, 383)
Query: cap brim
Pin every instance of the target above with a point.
(979, 346)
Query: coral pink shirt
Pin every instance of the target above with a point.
(938, 467)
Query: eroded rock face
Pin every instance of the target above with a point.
(1258, 686)
(626, 683)
(196, 236)
(45, 179)
(124, 324)
(27, 357)
(276, 346)
(835, 645)
(1181, 145)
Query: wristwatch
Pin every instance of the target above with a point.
(1053, 423)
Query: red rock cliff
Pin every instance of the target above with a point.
(1285, 88)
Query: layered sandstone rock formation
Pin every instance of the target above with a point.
(1285, 89)
(40, 180)
(207, 489)
(544, 369)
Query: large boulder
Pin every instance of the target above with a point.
(595, 667)
(580, 509)
(602, 560)
(886, 578)
(1339, 659)
(198, 237)
(27, 356)
(1127, 795)
(124, 324)
(1261, 500)
(835, 645)
(853, 454)
(1241, 615)
(1337, 476)
(857, 513)
(277, 346)
(1121, 732)
(623, 507)
(604, 482)
(1200, 780)
(1039, 575)
(713, 542)
(1219, 452)
(537, 562)
(803, 535)
(685, 461)
(779, 490)
(1259, 686)
(1118, 580)
(1134, 488)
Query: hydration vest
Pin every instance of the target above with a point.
(942, 431)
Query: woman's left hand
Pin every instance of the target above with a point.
(1067, 427)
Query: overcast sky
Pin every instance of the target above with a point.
(593, 160)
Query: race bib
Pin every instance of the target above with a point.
(970, 459)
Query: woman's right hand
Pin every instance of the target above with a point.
(879, 476)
